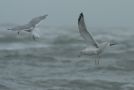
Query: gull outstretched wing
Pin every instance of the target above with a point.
(30, 26)
(21, 27)
(37, 20)
(84, 33)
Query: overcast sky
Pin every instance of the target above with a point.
(98, 13)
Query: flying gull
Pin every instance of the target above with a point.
(97, 48)
(30, 26)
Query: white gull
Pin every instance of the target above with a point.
(30, 26)
(94, 47)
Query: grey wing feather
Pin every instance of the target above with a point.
(84, 33)
(30, 26)
(21, 27)
(36, 20)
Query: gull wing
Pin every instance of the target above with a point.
(84, 33)
(30, 25)
(36, 20)
(21, 27)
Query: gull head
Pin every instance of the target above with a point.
(113, 43)
(9, 29)
(45, 15)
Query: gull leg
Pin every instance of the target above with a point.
(96, 59)
(18, 35)
(34, 37)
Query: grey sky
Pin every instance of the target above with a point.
(98, 13)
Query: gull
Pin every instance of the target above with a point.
(94, 47)
(30, 26)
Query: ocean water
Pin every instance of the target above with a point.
(52, 62)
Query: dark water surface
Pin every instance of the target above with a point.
(52, 62)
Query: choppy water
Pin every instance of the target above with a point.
(52, 62)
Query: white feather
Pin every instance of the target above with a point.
(36, 33)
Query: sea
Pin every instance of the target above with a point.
(52, 61)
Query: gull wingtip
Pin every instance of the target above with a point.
(80, 16)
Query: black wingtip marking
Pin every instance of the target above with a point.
(81, 16)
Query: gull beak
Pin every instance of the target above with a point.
(9, 29)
